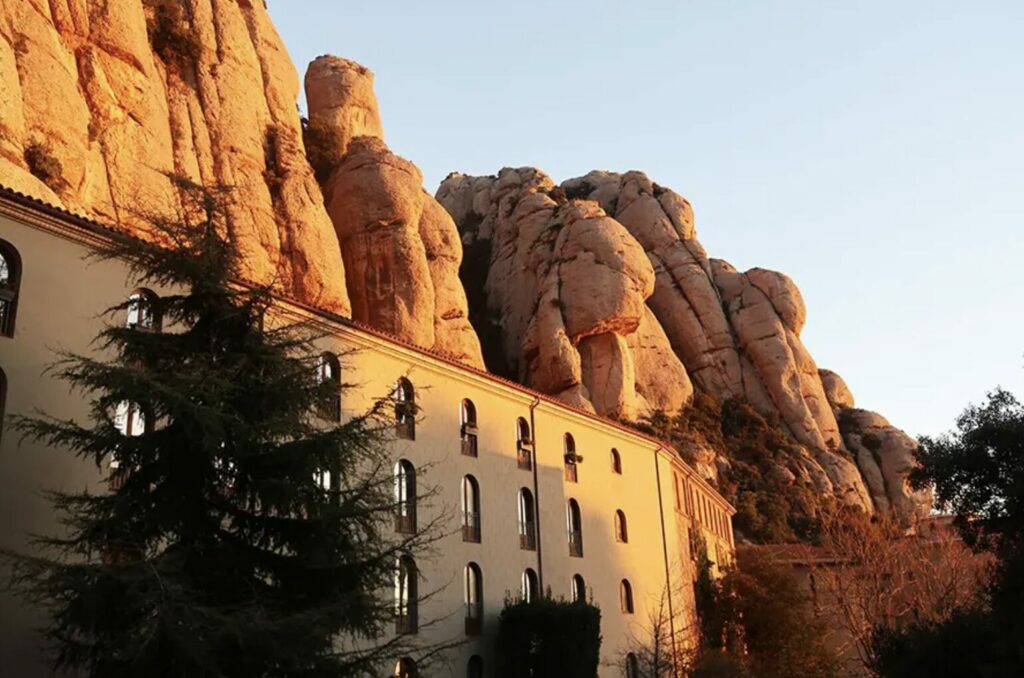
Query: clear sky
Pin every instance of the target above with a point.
(873, 151)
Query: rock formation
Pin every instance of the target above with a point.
(885, 454)
(101, 101)
(596, 291)
(401, 249)
(568, 306)
(567, 284)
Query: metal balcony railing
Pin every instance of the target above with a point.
(469, 442)
(405, 427)
(405, 522)
(406, 621)
(524, 457)
(527, 537)
(576, 544)
(474, 619)
(471, 527)
(330, 408)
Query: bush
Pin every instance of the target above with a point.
(959, 648)
(170, 33)
(770, 508)
(44, 166)
(322, 149)
(549, 639)
(273, 175)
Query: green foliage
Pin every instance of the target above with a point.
(977, 473)
(961, 647)
(273, 173)
(549, 638)
(171, 35)
(217, 552)
(771, 508)
(322, 149)
(758, 621)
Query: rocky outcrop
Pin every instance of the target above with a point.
(884, 453)
(626, 334)
(100, 102)
(567, 285)
(596, 290)
(401, 249)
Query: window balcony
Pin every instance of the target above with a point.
(471, 528)
(527, 537)
(576, 544)
(474, 619)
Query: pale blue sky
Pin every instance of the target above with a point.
(873, 151)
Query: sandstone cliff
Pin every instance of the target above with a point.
(401, 249)
(596, 290)
(599, 292)
(101, 101)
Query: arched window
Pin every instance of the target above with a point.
(621, 533)
(632, 666)
(406, 619)
(405, 409)
(467, 415)
(405, 497)
(474, 597)
(571, 458)
(616, 462)
(524, 445)
(406, 668)
(475, 667)
(574, 524)
(579, 589)
(530, 587)
(10, 283)
(130, 419)
(626, 597)
(328, 372)
(142, 313)
(527, 521)
(470, 509)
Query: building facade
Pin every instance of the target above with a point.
(537, 496)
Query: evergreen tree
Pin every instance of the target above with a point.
(242, 534)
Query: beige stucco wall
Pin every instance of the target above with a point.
(60, 304)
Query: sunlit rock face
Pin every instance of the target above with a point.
(598, 291)
(101, 101)
(567, 285)
(401, 249)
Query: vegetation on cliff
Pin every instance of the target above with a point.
(751, 451)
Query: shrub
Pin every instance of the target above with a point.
(322, 149)
(44, 166)
(770, 508)
(549, 638)
(170, 33)
(272, 173)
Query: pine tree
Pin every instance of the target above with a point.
(220, 549)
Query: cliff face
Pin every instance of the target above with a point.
(101, 101)
(598, 291)
(401, 249)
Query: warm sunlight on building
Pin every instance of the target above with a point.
(532, 495)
